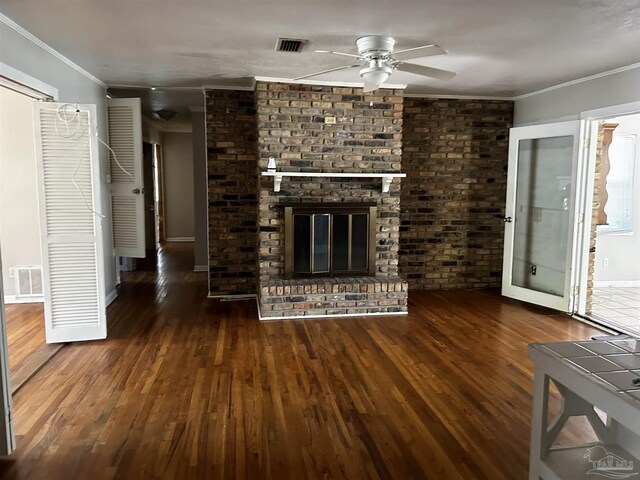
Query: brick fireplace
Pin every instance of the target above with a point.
(365, 138)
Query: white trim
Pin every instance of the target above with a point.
(455, 97)
(609, 112)
(10, 299)
(201, 268)
(179, 239)
(616, 283)
(35, 40)
(578, 80)
(326, 83)
(110, 297)
(230, 87)
(27, 80)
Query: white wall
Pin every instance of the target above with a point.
(177, 158)
(19, 224)
(622, 250)
(566, 103)
(24, 55)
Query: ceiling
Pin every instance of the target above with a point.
(498, 47)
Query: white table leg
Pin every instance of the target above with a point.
(538, 421)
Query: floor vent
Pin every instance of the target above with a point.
(28, 280)
(290, 45)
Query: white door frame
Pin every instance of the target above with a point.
(583, 242)
(7, 434)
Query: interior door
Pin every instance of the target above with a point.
(127, 182)
(69, 201)
(7, 436)
(540, 217)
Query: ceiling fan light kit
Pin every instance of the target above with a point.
(378, 62)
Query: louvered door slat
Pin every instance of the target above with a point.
(127, 192)
(71, 230)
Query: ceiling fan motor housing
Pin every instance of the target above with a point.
(375, 46)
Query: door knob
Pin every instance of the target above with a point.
(507, 219)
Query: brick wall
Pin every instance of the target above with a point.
(232, 187)
(449, 231)
(455, 156)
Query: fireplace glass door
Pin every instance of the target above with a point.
(332, 240)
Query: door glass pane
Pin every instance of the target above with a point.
(542, 214)
(359, 242)
(302, 243)
(340, 240)
(320, 243)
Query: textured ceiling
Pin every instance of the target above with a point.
(498, 47)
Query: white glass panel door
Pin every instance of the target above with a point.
(540, 214)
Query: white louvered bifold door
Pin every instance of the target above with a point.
(70, 222)
(127, 188)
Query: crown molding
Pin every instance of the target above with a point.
(36, 41)
(230, 87)
(578, 80)
(455, 97)
(326, 83)
(155, 87)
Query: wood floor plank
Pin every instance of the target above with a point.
(186, 387)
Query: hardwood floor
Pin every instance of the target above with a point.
(28, 351)
(190, 388)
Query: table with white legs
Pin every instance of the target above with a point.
(600, 373)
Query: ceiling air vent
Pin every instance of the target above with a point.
(289, 45)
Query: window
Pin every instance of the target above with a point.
(619, 206)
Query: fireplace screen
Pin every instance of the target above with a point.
(330, 239)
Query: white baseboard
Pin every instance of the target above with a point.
(201, 268)
(111, 296)
(179, 239)
(616, 283)
(15, 299)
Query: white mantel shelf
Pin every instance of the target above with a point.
(387, 178)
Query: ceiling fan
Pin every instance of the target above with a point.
(378, 61)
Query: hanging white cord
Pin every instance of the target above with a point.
(62, 115)
(115, 159)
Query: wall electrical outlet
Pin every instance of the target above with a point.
(605, 262)
(330, 120)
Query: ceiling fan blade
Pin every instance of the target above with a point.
(418, 52)
(425, 71)
(326, 71)
(339, 53)
(370, 87)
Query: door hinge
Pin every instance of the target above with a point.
(575, 290)
(586, 142)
